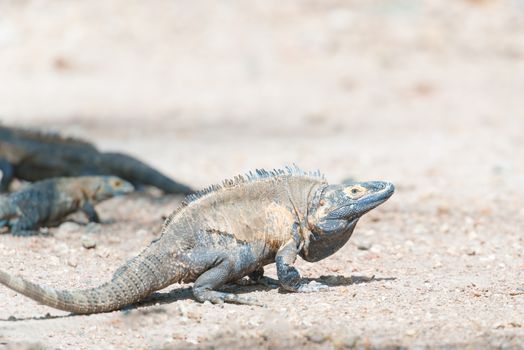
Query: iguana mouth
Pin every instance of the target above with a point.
(373, 200)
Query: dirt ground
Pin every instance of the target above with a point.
(426, 94)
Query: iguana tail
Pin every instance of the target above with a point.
(132, 282)
(135, 171)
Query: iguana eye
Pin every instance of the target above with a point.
(322, 202)
(118, 183)
(355, 192)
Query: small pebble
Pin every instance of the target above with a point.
(364, 245)
(88, 243)
(410, 332)
(317, 338)
(72, 262)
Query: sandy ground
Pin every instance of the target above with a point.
(426, 94)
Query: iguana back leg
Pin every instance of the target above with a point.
(219, 274)
(27, 223)
(258, 277)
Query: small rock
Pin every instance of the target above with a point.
(72, 262)
(364, 245)
(411, 332)
(88, 242)
(11, 318)
(316, 338)
(350, 341)
(471, 252)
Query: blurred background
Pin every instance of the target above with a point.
(344, 86)
(204, 90)
(428, 94)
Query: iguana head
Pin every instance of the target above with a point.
(104, 187)
(334, 212)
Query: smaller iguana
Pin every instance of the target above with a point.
(229, 231)
(48, 201)
(33, 156)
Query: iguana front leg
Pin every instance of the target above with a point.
(7, 175)
(90, 212)
(288, 275)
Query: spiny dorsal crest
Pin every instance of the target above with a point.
(257, 175)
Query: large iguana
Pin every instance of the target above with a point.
(32, 156)
(229, 231)
(48, 201)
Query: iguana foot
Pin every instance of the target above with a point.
(221, 297)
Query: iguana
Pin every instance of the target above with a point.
(48, 201)
(32, 156)
(229, 231)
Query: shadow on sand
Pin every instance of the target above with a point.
(241, 287)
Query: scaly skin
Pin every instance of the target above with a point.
(227, 232)
(35, 156)
(48, 201)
